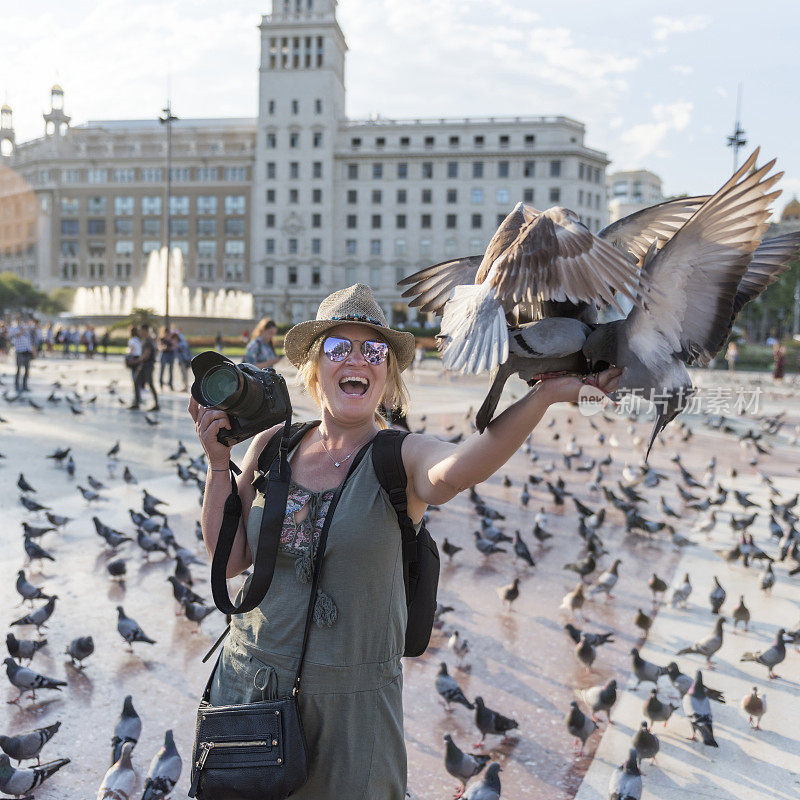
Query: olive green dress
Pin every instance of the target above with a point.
(350, 697)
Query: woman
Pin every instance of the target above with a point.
(260, 351)
(166, 344)
(351, 706)
(132, 356)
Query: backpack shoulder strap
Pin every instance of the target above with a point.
(387, 460)
(297, 431)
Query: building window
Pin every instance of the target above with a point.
(295, 107)
(400, 247)
(352, 196)
(70, 206)
(179, 174)
(452, 196)
(580, 171)
(72, 176)
(316, 139)
(294, 196)
(318, 106)
(151, 226)
(375, 276)
(449, 247)
(427, 196)
(477, 221)
(450, 221)
(269, 276)
(477, 197)
(530, 140)
(380, 142)
(152, 175)
(207, 249)
(178, 205)
(529, 169)
(452, 169)
(527, 195)
(124, 226)
(316, 220)
(555, 195)
(235, 174)
(271, 170)
(377, 196)
(97, 205)
(316, 195)
(352, 172)
(271, 103)
(316, 246)
(402, 170)
(376, 221)
(316, 273)
(424, 247)
(425, 221)
(352, 221)
(97, 175)
(97, 249)
(269, 221)
(355, 142)
(123, 247)
(555, 169)
(292, 275)
(405, 141)
(499, 219)
(69, 248)
(580, 195)
(294, 170)
(208, 174)
(272, 140)
(504, 141)
(208, 227)
(400, 221)
(377, 170)
(178, 227)
(234, 204)
(149, 245)
(292, 247)
(427, 169)
(477, 169)
(316, 169)
(269, 246)
(233, 226)
(123, 206)
(502, 196)
(294, 139)
(429, 142)
(350, 247)
(350, 274)
(478, 141)
(124, 175)
(374, 247)
(454, 141)
(270, 195)
(206, 204)
(502, 169)
(96, 227)
(401, 196)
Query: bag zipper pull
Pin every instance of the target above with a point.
(205, 748)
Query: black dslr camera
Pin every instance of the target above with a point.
(254, 399)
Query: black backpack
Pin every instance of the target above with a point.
(420, 553)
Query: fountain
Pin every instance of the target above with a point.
(101, 304)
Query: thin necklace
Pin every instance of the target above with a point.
(335, 462)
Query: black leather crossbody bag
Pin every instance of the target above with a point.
(257, 751)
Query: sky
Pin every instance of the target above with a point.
(654, 82)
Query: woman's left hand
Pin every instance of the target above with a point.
(566, 387)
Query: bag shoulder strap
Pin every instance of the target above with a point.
(296, 432)
(387, 460)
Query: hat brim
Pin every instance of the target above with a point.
(298, 340)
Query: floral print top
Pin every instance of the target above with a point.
(296, 536)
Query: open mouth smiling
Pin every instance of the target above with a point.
(354, 385)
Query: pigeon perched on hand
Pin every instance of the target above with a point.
(449, 690)
(164, 772)
(461, 765)
(25, 746)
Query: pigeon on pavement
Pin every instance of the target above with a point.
(24, 746)
(645, 671)
(709, 645)
(626, 780)
(489, 721)
(771, 657)
(79, 649)
(461, 765)
(698, 710)
(127, 729)
(600, 698)
(488, 788)
(579, 725)
(21, 781)
(645, 743)
(717, 596)
(23, 648)
(449, 690)
(120, 778)
(26, 679)
(655, 710)
(165, 769)
(594, 639)
(130, 631)
(40, 615)
(27, 589)
(681, 594)
(606, 580)
(754, 705)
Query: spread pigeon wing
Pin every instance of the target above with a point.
(697, 273)
(772, 258)
(431, 287)
(555, 257)
(635, 233)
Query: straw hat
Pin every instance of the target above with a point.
(354, 304)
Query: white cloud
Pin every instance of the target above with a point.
(664, 27)
(682, 69)
(647, 138)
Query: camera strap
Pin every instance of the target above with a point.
(277, 493)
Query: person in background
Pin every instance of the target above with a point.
(22, 340)
(218, 342)
(166, 346)
(731, 354)
(4, 341)
(779, 362)
(183, 354)
(260, 351)
(75, 340)
(50, 337)
(66, 340)
(104, 340)
(772, 339)
(145, 368)
(133, 356)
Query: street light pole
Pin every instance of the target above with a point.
(736, 139)
(167, 119)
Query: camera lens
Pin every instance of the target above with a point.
(219, 384)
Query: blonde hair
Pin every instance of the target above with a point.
(394, 397)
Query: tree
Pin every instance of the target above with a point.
(17, 294)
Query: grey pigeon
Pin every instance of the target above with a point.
(89, 495)
(687, 307)
(21, 781)
(771, 657)
(488, 788)
(521, 550)
(606, 580)
(27, 589)
(645, 671)
(165, 769)
(489, 721)
(709, 645)
(509, 593)
(600, 698)
(698, 710)
(196, 612)
(462, 765)
(626, 780)
(128, 729)
(32, 505)
(149, 543)
(23, 648)
(34, 532)
(767, 578)
(717, 596)
(128, 476)
(180, 592)
(585, 653)
(486, 546)
(23, 485)
(681, 594)
(655, 710)
(449, 690)
(28, 745)
(130, 631)
(120, 778)
(79, 649)
(594, 639)
(57, 520)
(34, 551)
(645, 742)
(113, 538)
(117, 568)
(683, 683)
(26, 679)
(579, 725)
(40, 615)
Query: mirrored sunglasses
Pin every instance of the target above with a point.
(337, 348)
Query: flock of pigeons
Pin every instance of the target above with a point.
(150, 534)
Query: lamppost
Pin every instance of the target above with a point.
(167, 119)
(736, 139)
